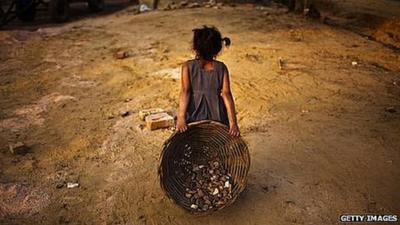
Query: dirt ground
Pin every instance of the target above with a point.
(323, 130)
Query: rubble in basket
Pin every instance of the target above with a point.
(208, 186)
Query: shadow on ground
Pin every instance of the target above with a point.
(78, 11)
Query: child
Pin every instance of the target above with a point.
(205, 93)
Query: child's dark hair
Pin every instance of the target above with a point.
(207, 42)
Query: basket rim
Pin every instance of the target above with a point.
(164, 146)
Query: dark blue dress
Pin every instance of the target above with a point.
(205, 102)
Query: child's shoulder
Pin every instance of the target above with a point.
(188, 62)
(222, 65)
(220, 62)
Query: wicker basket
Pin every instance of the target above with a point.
(231, 152)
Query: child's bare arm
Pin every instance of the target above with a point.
(230, 105)
(183, 100)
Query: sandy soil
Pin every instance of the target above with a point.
(323, 137)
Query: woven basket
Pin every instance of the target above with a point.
(231, 152)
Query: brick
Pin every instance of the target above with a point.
(159, 120)
(147, 112)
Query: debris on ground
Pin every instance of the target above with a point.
(125, 114)
(21, 200)
(193, 5)
(140, 127)
(144, 8)
(121, 55)
(186, 4)
(171, 6)
(183, 3)
(19, 148)
(312, 12)
(390, 109)
(266, 13)
(159, 120)
(354, 63)
(147, 112)
(72, 185)
(260, 8)
(388, 32)
(280, 63)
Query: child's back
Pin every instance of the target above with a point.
(206, 92)
(205, 101)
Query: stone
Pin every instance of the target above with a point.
(200, 193)
(140, 127)
(159, 120)
(147, 112)
(72, 185)
(121, 55)
(215, 192)
(125, 114)
(151, 4)
(193, 5)
(19, 148)
(212, 2)
(215, 164)
(227, 184)
(266, 13)
(390, 109)
(144, 8)
(280, 63)
(183, 3)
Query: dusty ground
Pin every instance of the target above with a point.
(322, 136)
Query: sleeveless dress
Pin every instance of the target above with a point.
(205, 102)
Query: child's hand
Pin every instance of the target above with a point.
(234, 130)
(181, 125)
